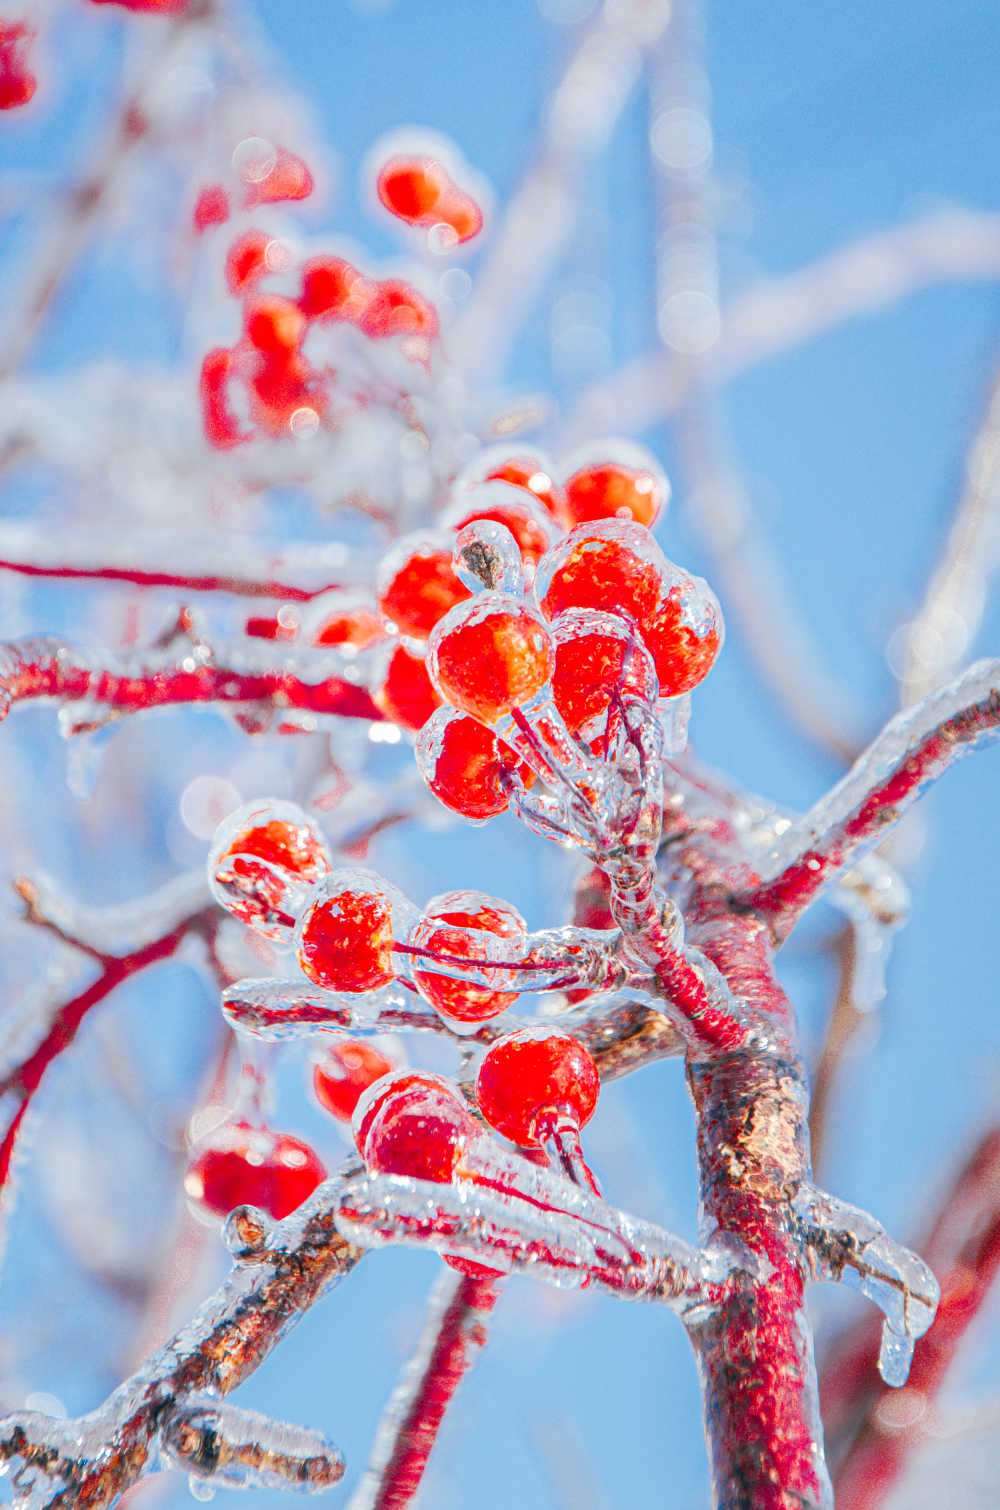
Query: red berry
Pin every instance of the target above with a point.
(348, 1068)
(281, 386)
(222, 426)
(417, 585)
(458, 925)
(211, 207)
(358, 627)
(334, 290)
(242, 1165)
(513, 507)
(288, 178)
(407, 696)
(246, 260)
(420, 191)
(345, 939)
(628, 486)
(616, 566)
(533, 474)
(464, 764)
(274, 325)
(273, 628)
(594, 660)
(396, 309)
(534, 1072)
(261, 856)
(490, 656)
(17, 82)
(415, 1125)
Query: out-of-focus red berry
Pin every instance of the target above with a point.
(246, 260)
(17, 82)
(612, 490)
(334, 290)
(211, 207)
(529, 535)
(531, 473)
(347, 1069)
(148, 7)
(223, 428)
(407, 696)
(415, 1125)
(359, 628)
(274, 324)
(457, 926)
(345, 941)
(420, 591)
(419, 190)
(242, 1165)
(396, 309)
(490, 656)
(289, 178)
(270, 628)
(532, 1072)
(463, 763)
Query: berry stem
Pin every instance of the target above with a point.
(558, 1134)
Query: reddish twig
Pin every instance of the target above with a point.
(137, 576)
(872, 1431)
(911, 752)
(49, 669)
(453, 1334)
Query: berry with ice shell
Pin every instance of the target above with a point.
(528, 1080)
(416, 584)
(598, 658)
(262, 859)
(466, 766)
(615, 565)
(513, 507)
(414, 1124)
(615, 480)
(461, 925)
(490, 656)
(529, 471)
(345, 937)
(395, 308)
(241, 1165)
(407, 696)
(348, 1067)
(210, 208)
(355, 627)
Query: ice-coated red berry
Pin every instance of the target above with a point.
(465, 765)
(532, 474)
(526, 521)
(531, 1073)
(332, 289)
(260, 855)
(345, 939)
(490, 656)
(456, 926)
(413, 1124)
(288, 178)
(394, 308)
(223, 428)
(416, 591)
(274, 324)
(211, 207)
(617, 567)
(611, 489)
(246, 260)
(407, 696)
(587, 670)
(345, 1072)
(240, 1165)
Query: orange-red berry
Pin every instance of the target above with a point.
(396, 309)
(612, 490)
(490, 656)
(459, 925)
(334, 290)
(466, 766)
(407, 696)
(531, 1073)
(419, 190)
(260, 858)
(345, 939)
(415, 1125)
(223, 428)
(417, 591)
(211, 207)
(241, 1165)
(345, 1072)
(288, 178)
(246, 260)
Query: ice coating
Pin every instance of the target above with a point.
(516, 508)
(467, 768)
(490, 656)
(487, 554)
(467, 926)
(224, 1447)
(344, 937)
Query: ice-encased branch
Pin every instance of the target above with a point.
(516, 1217)
(912, 750)
(101, 686)
(226, 1447)
(282, 1269)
